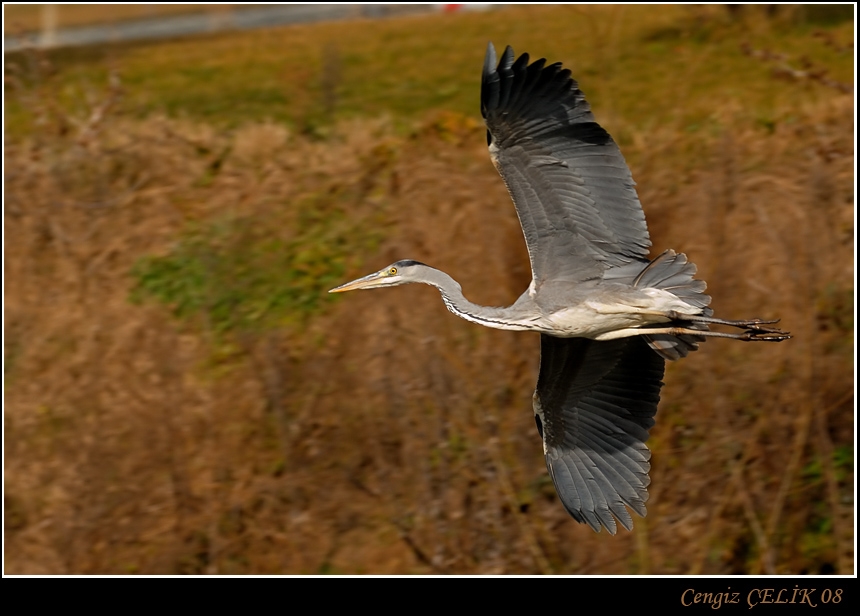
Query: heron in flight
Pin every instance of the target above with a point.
(608, 316)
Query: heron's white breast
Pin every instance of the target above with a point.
(594, 317)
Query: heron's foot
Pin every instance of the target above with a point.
(752, 325)
(756, 324)
(765, 334)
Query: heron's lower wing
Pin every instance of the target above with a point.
(594, 404)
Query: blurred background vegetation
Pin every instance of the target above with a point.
(182, 396)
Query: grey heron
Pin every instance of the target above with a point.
(608, 316)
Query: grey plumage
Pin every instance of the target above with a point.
(595, 403)
(574, 193)
(608, 316)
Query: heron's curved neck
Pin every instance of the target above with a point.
(456, 302)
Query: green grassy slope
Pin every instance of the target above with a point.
(690, 56)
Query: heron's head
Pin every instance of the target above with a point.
(397, 273)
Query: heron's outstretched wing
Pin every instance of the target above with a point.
(573, 191)
(594, 404)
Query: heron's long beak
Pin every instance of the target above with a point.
(371, 281)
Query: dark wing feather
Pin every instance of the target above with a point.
(572, 189)
(594, 405)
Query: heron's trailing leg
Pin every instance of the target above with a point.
(765, 334)
(756, 325)
(760, 334)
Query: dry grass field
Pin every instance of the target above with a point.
(183, 396)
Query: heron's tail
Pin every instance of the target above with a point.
(672, 272)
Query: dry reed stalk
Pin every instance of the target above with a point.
(136, 444)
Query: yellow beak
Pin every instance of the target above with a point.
(371, 281)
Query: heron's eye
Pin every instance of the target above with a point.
(392, 271)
